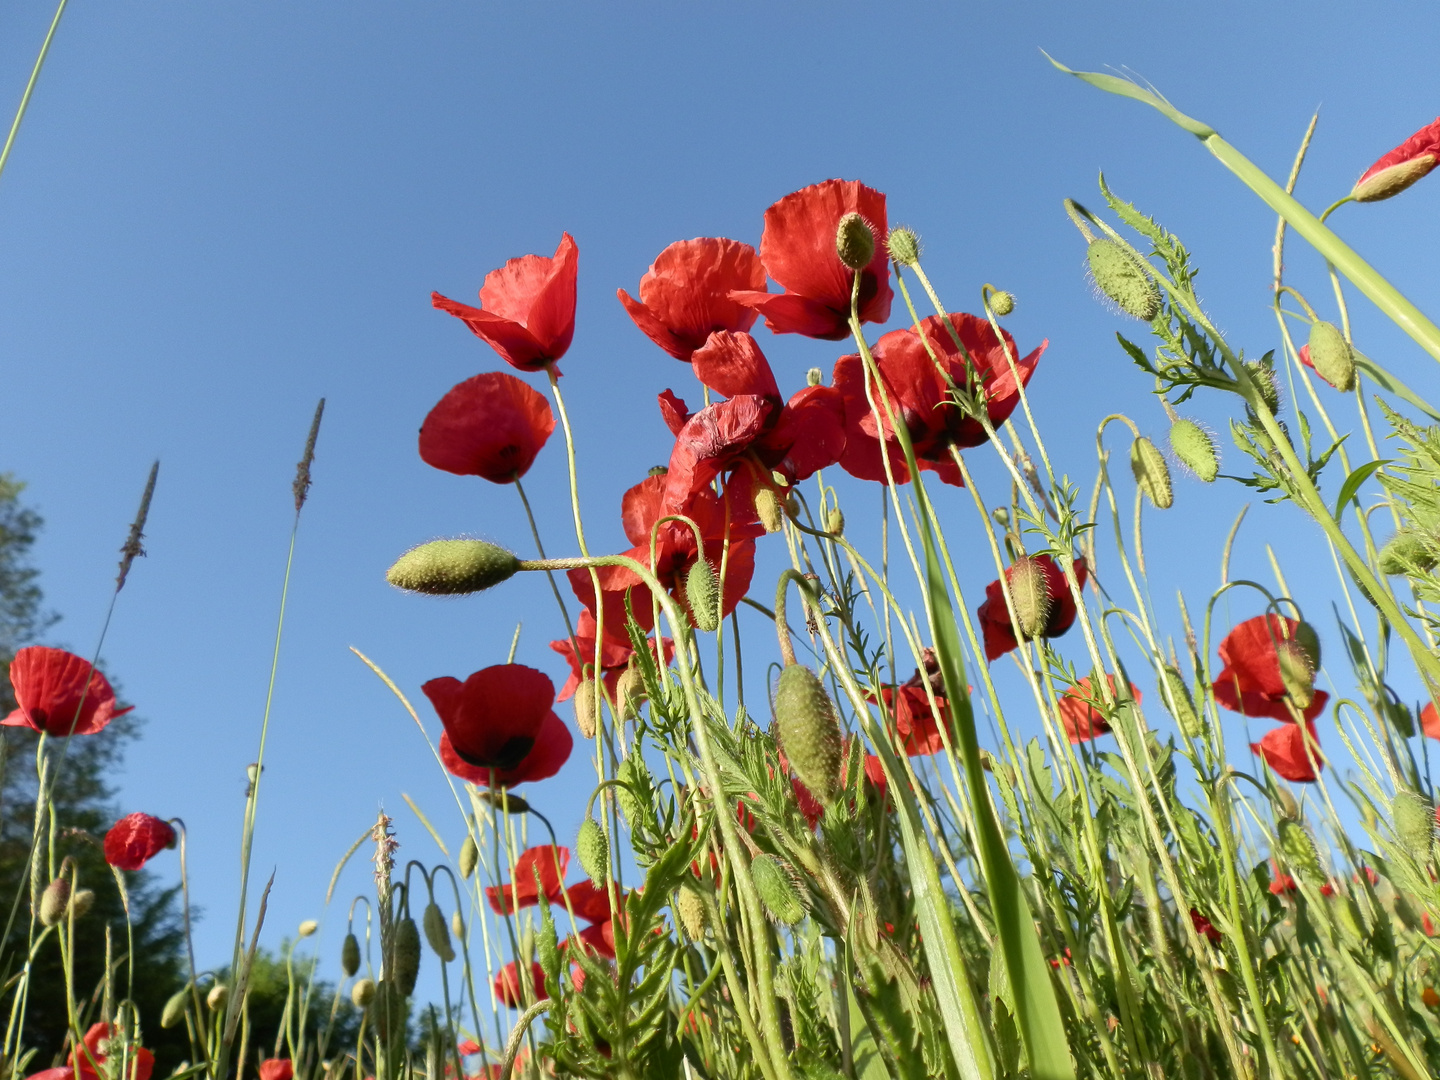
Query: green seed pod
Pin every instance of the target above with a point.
(1407, 552)
(469, 856)
(1195, 449)
(809, 731)
(1123, 278)
(690, 909)
(767, 508)
(81, 901)
(630, 692)
(1030, 595)
(593, 850)
(53, 901)
(1180, 704)
(702, 592)
(1152, 474)
(585, 702)
(174, 1010)
(854, 241)
(779, 889)
(1300, 854)
(1413, 818)
(547, 948)
(437, 933)
(350, 955)
(451, 567)
(1309, 641)
(835, 522)
(904, 246)
(216, 998)
(1296, 672)
(1331, 355)
(633, 777)
(1265, 382)
(404, 966)
(1002, 303)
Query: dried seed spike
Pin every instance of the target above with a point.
(1180, 704)
(301, 487)
(131, 549)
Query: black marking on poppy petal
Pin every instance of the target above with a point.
(509, 756)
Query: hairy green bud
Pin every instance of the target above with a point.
(1194, 447)
(690, 909)
(1331, 355)
(174, 1010)
(1408, 552)
(809, 731)
(1180, 704)
(547, 947)
(53, 901)
(593, 850)
(768, 508)
(362, 993)
(452, 567)
(904, 246)
(835, 522)
(1263, 375)
(437, 933)
(854, 241)
(404, 966)
(633, 776)
(1123, 278)
(702, 592)
(350, 955)
(630, 692)
(585, 701)
(81, 901)
(1030, 595)
(1296, 672)
(1002, 303)
(1413, 818)
(779, 889)
(1152, 474)
(1299, 851)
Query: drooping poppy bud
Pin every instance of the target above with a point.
(135, 839)
(1030, 595)
(457, 924)
(1121, 277)
(630, 692)
(809, 731)
(585, 702)
(1152, 474)
(1195, 449)
(362, 993)
(1002, 303)
(452, 567)
(1296, 672)
(53, 901)
(1412, 160)
(778, 886)
(593, 850)
(350, 955)
(469, 856)
(690, 909)
(904, 246)
(1413, 818)
(80, 903)
(767, 508)
(404, 966)
(506, 801)
(307, 928)
(216, 998)
(835, 522)
(174, 1010)
(702, 592)
(1331, 355)
(854, 241)
(1408, 552)
(1177, 699)
(437, 933)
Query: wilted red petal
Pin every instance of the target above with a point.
(493, 719)
(59, 693)
(673, 411)
(685, 295)
(492, 426)
(1284, 750)
(551, 860)
(135, 839)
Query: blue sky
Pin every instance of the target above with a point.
(218, 213)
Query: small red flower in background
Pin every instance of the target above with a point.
(1205, 927)
(277, 1069)
(1427, 924)
(1430, 725)
(500, 728)
(1250, 682)
(59, 693)
(551, 860)
(915, 722)
(136, 839)
(97, 1050)
(798, 250)
(467, 1047)
(994, 616)
(615, 654)
(1082, 720)
(920, 395)
(1412, 160)
(507, 985)
(591, 902)
(527, 308)
(685, 295)
(491, 426)
(1284, 751)
(1282, 883)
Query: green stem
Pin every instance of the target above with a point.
(30, 86)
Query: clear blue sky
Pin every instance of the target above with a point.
(218, 213)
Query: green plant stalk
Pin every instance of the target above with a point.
(30, 86)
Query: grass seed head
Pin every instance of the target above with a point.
(452, 567)
(1194, 447)
(1122, 277)
(809, 731)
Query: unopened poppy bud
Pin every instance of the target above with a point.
(457, 925)
(1264, 377)
(767, 508)
(1407, 552)
(350, 955)
(1413, 818)
(658, 470)
(1002, 303)
(835, 522)
(469, 856)
(174, 1010)
(779, 889)
(814, 377)
(362, 993)
(792, 506)
(630, 691)
(854, 241)
(593, 850)
(216, 998)
(690, 909)
(1152, 474)
(452, 567)
(1296, 673)
(306, 928)
(702, 591)
(1309, 641)
(1030, 595)
(504, 800)
(1412, 160)
(547, 946)
(1001, 516)
(437, 933)
(585, 702)
(1331, 355)
(1195, 449)
(1180, 704)
(632, 776)
(809, 731)
(404, 966)
(904, 246)
(53, 901)
(1300, 854)
(81, 901)
(1121, 276)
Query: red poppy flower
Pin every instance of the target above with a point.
(98, 1049)
(507, 985)
(994, 616)
(494, 717)
(1284, 750)
(1281, 883)
(1078, 712)
(1427, 924)
(1250, 682)
(751, 434)
(909, 704)
(59, 693)
(277, 1069)
(798, 250)
(527, 308)
(492, 426)
(1430, 724)
(467, 1047)
(1205, 927)
(615, 653)
(675, 553)
(136, 839)
(1410, 161)
(920, 393)
(550, 860)
(591, 902)
(685, 295)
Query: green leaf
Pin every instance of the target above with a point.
(1353, 482)
(1113, 84)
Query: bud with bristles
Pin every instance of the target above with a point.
(903, 245)
(767, 508)
(1123, 278)
(854, 241)
(835, 522)
(1178, 701)
(469, 856)
(363, 993)
(809, 731)
(630, 692)
(452, 567)
(814, 377)
(350, 955)
(779, 889)
(691, 910)
(1030, 595)
(593, 850)
(81, 901)
(585, 702)
(216, 998)
(1195, 449)
(1264, 377)
(174, 1010)
(306, 928)
(1300, 854)
(1407, 552)
(1413, 818)
(404, 966)
(53, 901)
(632, 776)
(702, 591)
(437, 933)
(1152, 474)
(547, 947)
(1296, 672)
(1002, 303)
(1331, 355)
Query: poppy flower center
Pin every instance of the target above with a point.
(511, 753)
